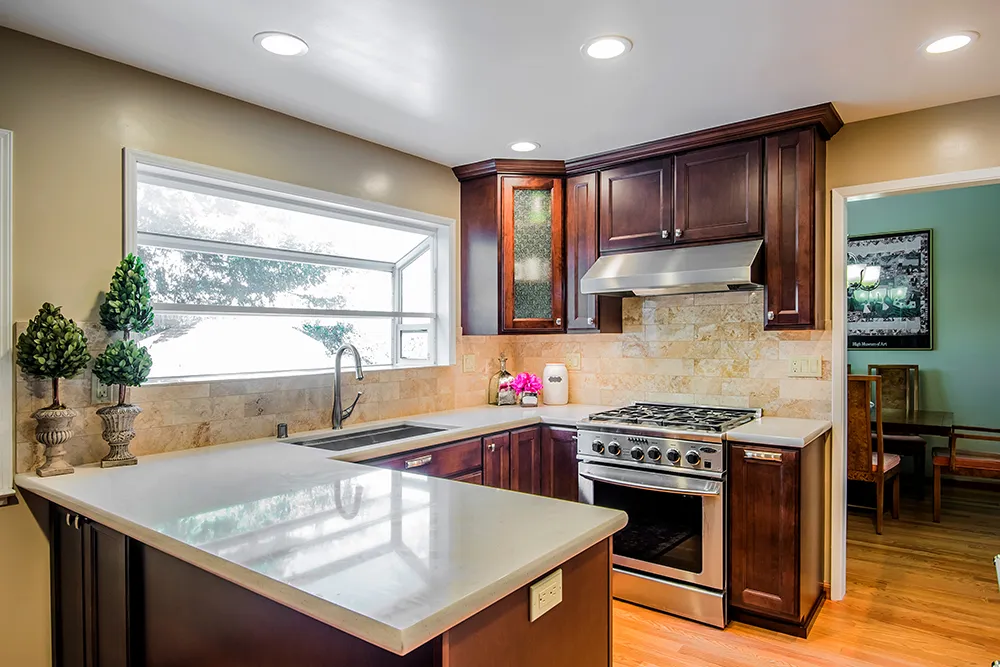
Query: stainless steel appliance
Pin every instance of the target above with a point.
(664, 465)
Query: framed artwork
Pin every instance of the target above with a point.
(889, 291)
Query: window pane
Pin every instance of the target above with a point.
(418, 285)
(414, 345)
(532, 254)
(204, 278)
(189, 345)
(167, 210)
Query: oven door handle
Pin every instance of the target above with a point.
(650, 481)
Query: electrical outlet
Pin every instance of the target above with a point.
(805, 367)
(573, 361)
(99, 393)
(545, 595)
(468, 363)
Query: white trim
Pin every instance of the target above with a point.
(838, 230)
(6, 314)
(211, 309)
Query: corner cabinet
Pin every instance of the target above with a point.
(776, 524)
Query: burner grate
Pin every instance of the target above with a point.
(677, 417)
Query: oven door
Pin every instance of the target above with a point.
(676, 523)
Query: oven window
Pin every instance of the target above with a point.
(663, 528)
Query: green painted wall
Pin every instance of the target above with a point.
(962, 372)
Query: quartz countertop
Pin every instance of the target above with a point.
(779, 431)
(393, 558)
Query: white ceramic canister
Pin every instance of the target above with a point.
(555, 383)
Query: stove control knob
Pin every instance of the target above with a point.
(673, 455)
(614, 449)
(597, 446)
(637, 453)
(693, 458)
(653, 453)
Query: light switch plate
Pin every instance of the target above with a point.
(545, 595)
(468, 363)
(573, 361)
(99, 393)
(805, 367)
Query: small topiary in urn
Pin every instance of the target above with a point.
(126, 308)
(53, 347)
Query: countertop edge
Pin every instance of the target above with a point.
(817, 428)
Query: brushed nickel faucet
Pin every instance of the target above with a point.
(339, 414)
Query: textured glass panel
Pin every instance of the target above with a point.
(532, 254)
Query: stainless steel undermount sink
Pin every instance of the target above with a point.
(339, 442)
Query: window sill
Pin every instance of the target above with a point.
(235, 377)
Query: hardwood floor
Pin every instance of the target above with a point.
(919, 594)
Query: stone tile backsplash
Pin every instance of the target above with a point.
(709, 349)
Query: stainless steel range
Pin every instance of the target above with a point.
(664, 465)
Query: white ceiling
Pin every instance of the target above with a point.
(457, 81)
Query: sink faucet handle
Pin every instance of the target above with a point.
(350, 408)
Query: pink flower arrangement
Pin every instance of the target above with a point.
(526, 382)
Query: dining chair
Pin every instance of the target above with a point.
(970, 462)
(862, 463)
(901, 391)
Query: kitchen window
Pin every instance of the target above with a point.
(256, 277)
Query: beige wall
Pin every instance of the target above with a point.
(71, 114)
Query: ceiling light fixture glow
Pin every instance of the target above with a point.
(523, 146)
(281, 43)
(608, 46)
(951, 42)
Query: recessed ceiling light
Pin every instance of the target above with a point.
(281, 43)
(951, 42)
(523, 146)
(608, 46)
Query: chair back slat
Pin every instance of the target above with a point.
(861, 391)
(900, 385)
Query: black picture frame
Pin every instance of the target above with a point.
(897, 312)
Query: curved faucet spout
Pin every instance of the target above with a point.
(339, 413)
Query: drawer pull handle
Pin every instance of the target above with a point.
(762, 456)
(419, 461)
(68, 524)
(76, 522)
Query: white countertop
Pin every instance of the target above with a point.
(393, 558)
(779, 431)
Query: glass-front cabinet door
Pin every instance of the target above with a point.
(532, 254)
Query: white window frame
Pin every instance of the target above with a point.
(214, 181)
(6, 315)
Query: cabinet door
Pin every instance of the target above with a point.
(69, 644)
(636, 207)
(764, 528)
(717, 193)
(585, 312)
(496, 461)
(526, 460)
(793, 198)
(532, 254)
(448, 460)
(559, 465)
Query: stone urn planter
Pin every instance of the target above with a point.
(119, 429)
(55, 427)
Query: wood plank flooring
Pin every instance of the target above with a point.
(919, 594)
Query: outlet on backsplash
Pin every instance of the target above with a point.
(469, 363)
(99, 393)
(805, 367)
(574, 360)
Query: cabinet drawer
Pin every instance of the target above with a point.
(474, 477)
(444, 461)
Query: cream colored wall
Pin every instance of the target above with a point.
(71, 114)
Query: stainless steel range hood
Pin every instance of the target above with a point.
(721, 267)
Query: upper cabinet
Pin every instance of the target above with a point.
(636, 206)
(585, 312)
(717, 193)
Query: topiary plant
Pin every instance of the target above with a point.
(52, 347)
(125, 364)
(127, 306)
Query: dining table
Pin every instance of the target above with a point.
(898, 421)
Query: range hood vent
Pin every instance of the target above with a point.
(722, 267)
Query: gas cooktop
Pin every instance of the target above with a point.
(676, 417)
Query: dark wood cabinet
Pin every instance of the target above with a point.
(793, 229)
(496, 460)
(636, 206)
(453, 460)
(585, 312)
(89, 593)
(776, 535)
(526, 460)
(559, 471)
(717, 193)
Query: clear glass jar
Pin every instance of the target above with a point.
(502, 377)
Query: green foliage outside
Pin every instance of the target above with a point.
(127, 306)
(52, 347)
(123, 363)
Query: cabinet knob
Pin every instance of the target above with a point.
(558, 321)
(665, 234)
(770, 315)
(590, 321)
(678, 233)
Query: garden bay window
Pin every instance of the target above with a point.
(251, 277)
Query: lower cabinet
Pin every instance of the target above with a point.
(776, 535)
(496, 460)
(454, 460)
(559, 467)
(526, 460)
